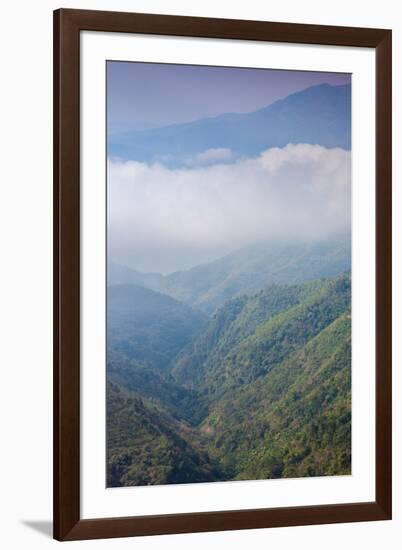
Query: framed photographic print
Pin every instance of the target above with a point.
(222, 274)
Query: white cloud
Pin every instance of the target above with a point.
(213, 156)
(166, 219)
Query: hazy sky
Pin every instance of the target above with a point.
(145, 95)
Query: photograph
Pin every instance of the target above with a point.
(228, 291)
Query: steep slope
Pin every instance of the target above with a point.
(294, 421)
(246, 339)
(232, 323)
(148, 327)
(180, 402)
(319, 115)
(146, 447)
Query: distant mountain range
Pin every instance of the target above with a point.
(208, 286)
(317, 115)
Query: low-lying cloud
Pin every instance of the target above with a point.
(163, 219)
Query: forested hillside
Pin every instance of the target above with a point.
(268, 327)
(146, 447)
(182, 403)
(295, 420)
(261, 390)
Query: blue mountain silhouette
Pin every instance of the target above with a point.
(317, 115)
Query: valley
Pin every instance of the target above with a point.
(245, 374)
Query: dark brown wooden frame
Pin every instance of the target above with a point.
(67, 26)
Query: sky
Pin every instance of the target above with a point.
(164, 218)
(150, 95)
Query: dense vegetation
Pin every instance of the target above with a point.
(261, 390)
(182, 403)
(294, 421)
(267, 328)
(146, 447)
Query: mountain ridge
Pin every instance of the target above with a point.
(295, 315)
(320, 114)
(148, 326)
(245, 271)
